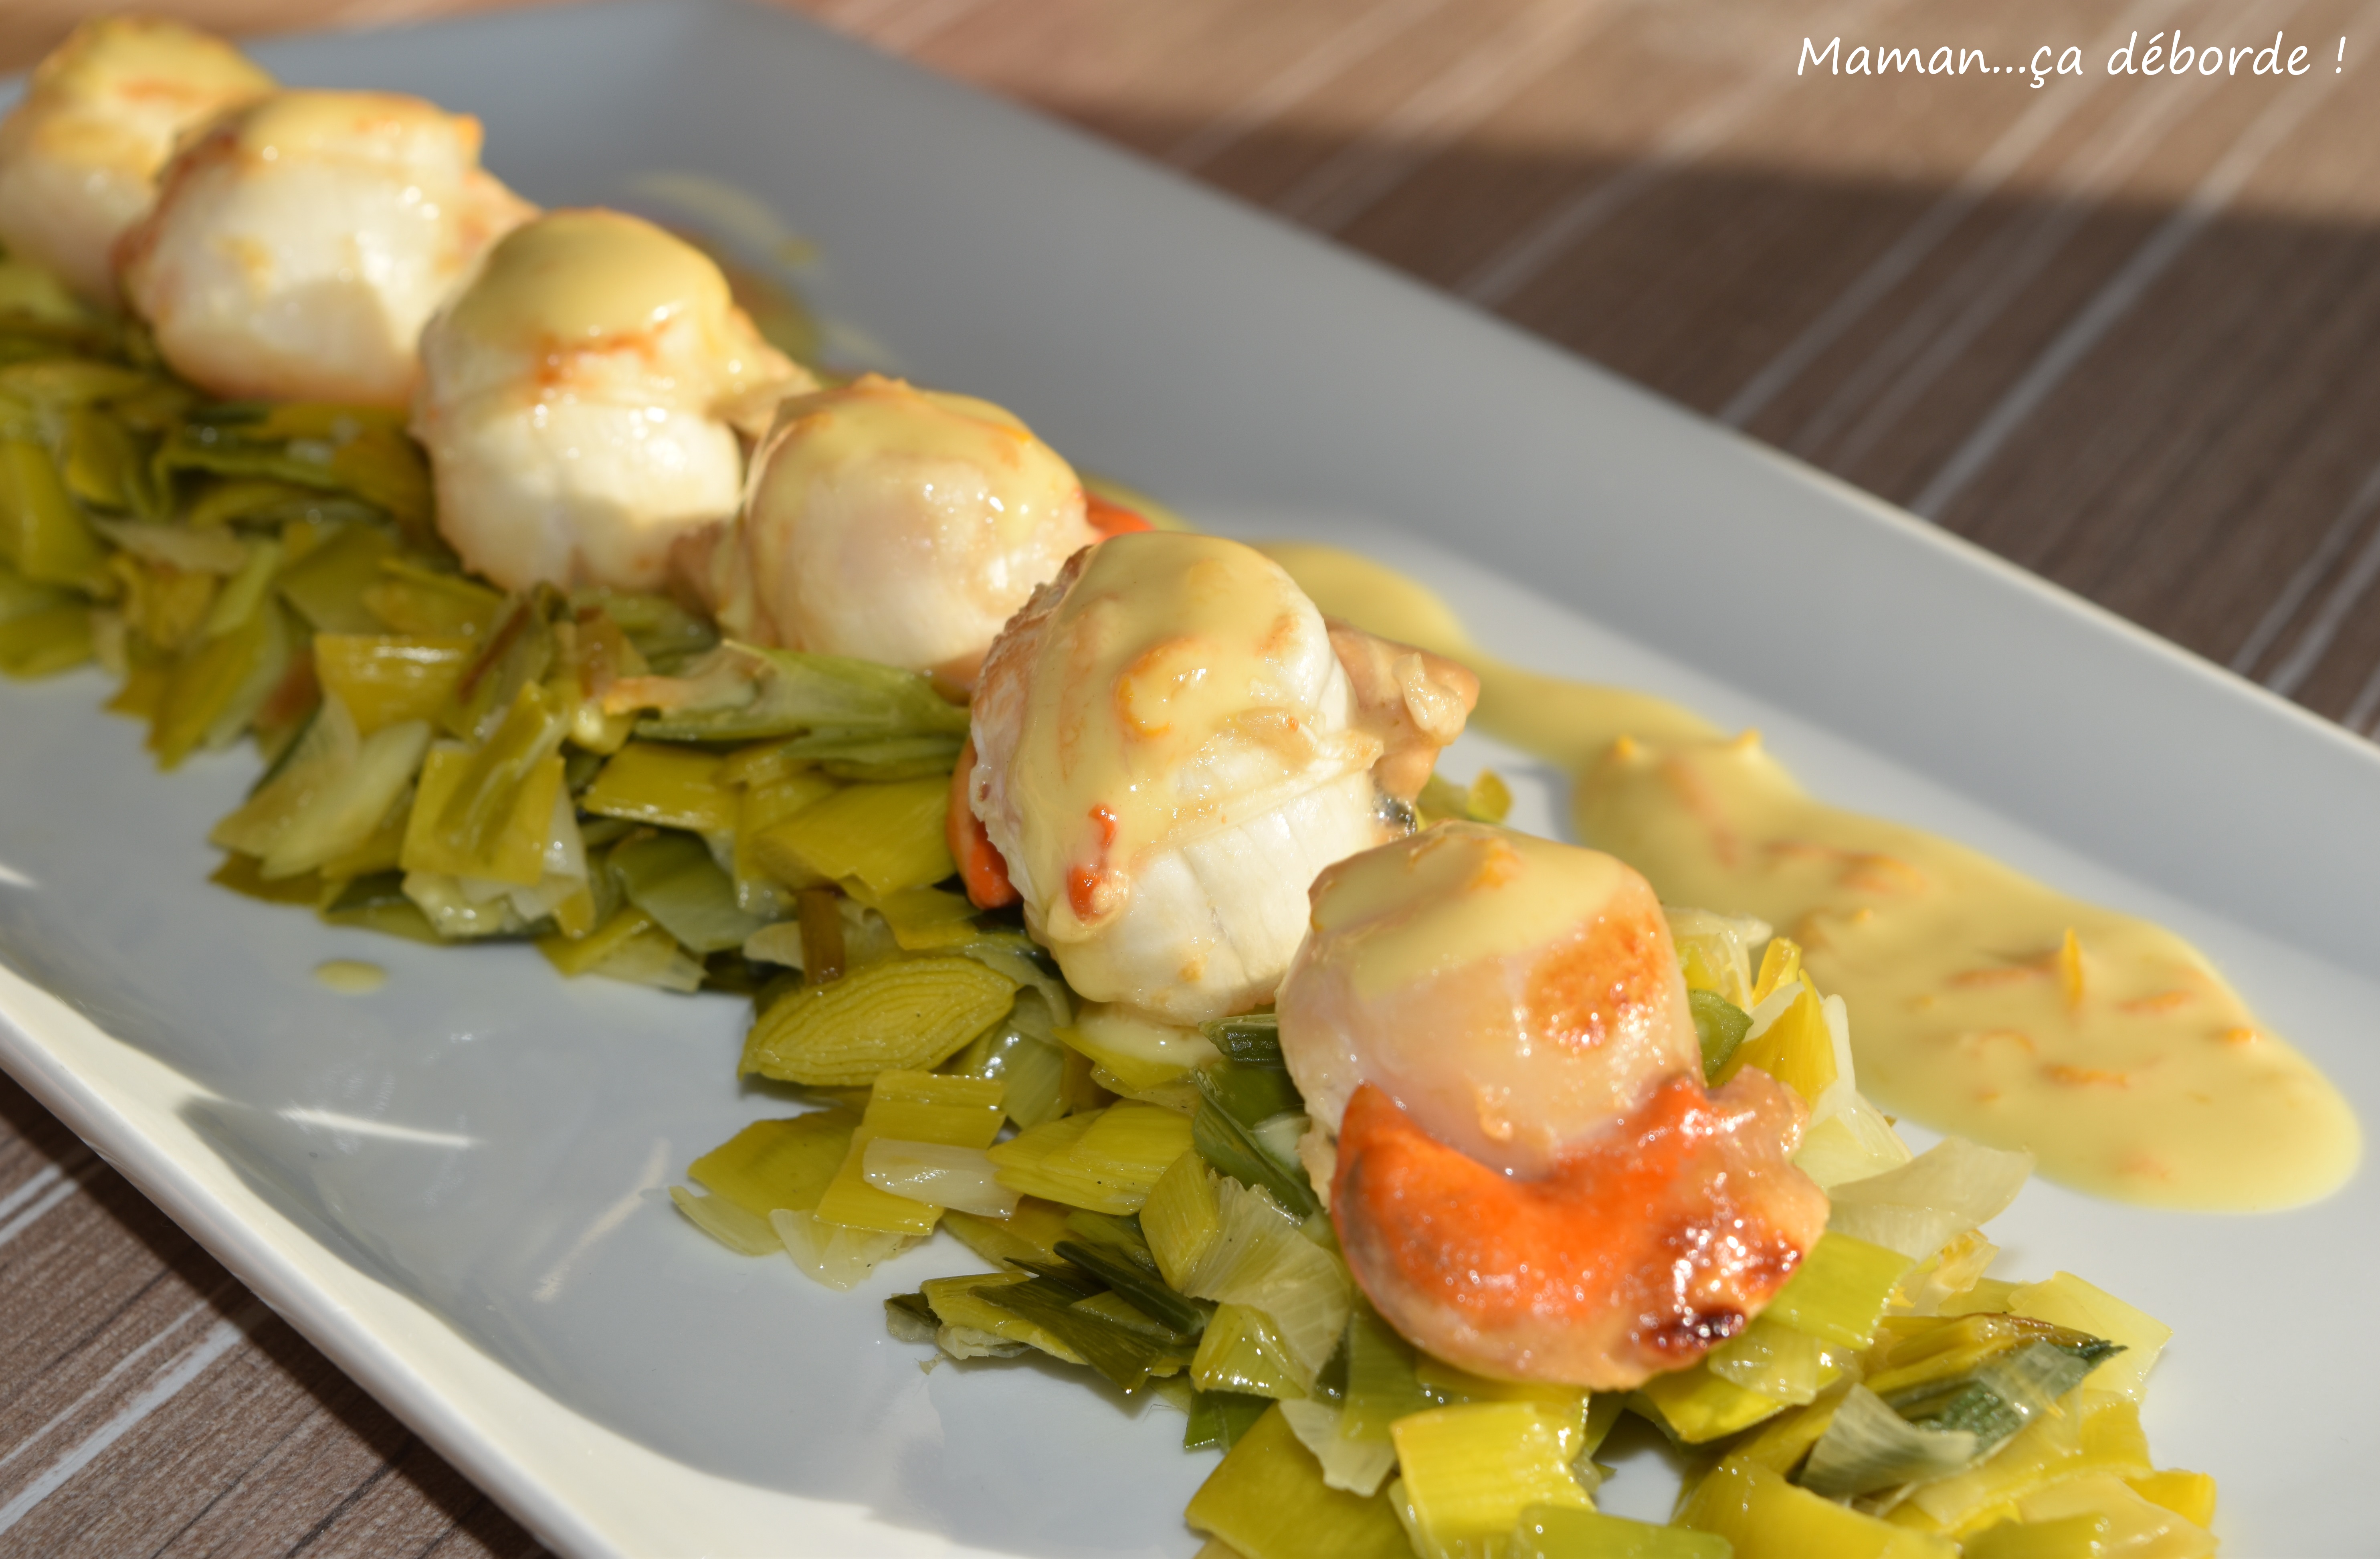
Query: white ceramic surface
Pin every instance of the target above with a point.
(454, 1185)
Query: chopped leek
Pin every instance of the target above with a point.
(2067, 1300)
(1261, 1258)
(729, 1223)
(1241, 1350)
(1268, 1501)
(1146, 1290)
(1030, 1235)
(937, 1175)
(1765, 1518)
(1553, 1531)
(671, 786)
(1719, 1025)
(673, 878)
(1019, 1053)
(1359, 1466)
(914, 1012)
(1469, 1471)
(1951, 1188)
(832, 1254)
(917, 1108)
(1840, 1290)
(770, 1164)
(1867, 1447)
(1219, 1419)
(743, 693)
(885, 836)
(1182, 1218)
(1382, 1384)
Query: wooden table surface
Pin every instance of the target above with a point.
(2119, 330)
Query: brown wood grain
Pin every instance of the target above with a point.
(2120, 330)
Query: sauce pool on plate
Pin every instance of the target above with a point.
(1984, 1004)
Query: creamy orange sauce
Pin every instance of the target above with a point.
(1984, 1004)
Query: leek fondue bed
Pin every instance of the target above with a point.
(1091, 878)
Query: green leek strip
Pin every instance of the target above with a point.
(61, 383)
(518, 855)
(1694, 1407)
(1268, 1501)
(785, 691)
(1110, 1231)
(728, 1223)
(657, 627)
(1241, 1350)
(1132, 1144)
(1263, 1258)
(1250, 1094)
(1358, 1466)
(1223, 1142)
(910, 1106)
(1028, 1235)
(871, 757)
(2069, 1537)
(1721, 1025)
(44, 642)
(673, 878)
(770, 1164)
(963, 1307)
(420, 601)
(1840, 1290)
(887, 836)
(1765, 1518)
(1040, 1163)
(911, 1318)
(2003, 1394)
(1220, 1420)
(211, 692)
(668, 786)
(347, 810)
(1867, 1447)
(382, 678)
(1471, 1470)
(247, 591)
(377, 903)
(1017, 1055)
(1145, 1289)
(1182, 1218)
(1565, 1406)
(480, 810)
(519, 651)
(327, 585)
(43, 535)
(1125, 1357)
(1252, 1040)
(1547, 1532)
(1382, 1385)
(243, 875)
(1775, 1360)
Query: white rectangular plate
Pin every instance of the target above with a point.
(455, 1186)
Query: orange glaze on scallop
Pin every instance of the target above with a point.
(1639, 1251)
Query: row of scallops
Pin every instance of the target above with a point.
(1200, 789)
(584, 383)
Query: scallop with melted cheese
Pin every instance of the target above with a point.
(299, 245)
(580, 399)
(1529, 1179)
(1168, 750)
(80, 153)
(895, 524)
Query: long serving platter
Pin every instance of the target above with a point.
(456, 1186)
